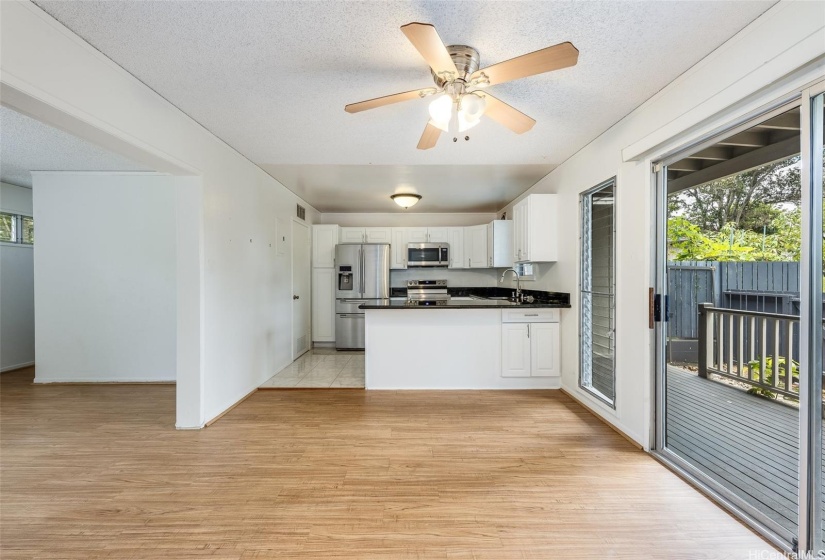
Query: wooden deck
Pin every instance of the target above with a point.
(747, 443)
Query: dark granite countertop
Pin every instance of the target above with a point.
(462, 304)
(552, 300)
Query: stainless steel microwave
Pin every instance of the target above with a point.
(428, 254)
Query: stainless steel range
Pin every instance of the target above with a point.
(427, 292)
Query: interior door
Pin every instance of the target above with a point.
(301, 259)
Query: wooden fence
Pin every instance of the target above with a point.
(767, 287)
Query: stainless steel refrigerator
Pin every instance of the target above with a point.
(363, 274)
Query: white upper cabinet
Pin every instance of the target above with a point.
(353, 235)
(324, 240)
(500, 244)
(416, 234)
(438, 234)
(378, 235)
(455, 237)
(398, 249)
(534, 234)
(475, 246)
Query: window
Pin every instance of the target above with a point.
(526, 271)
(15, 228)
(8, 228)
(27, 229)
(598, 305)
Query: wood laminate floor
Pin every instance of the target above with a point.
(99, 472)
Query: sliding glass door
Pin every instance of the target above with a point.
(739, 383)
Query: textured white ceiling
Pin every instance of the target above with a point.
(444, 188)
(28, 145)
(272, 78)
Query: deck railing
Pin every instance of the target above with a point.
(751, 347)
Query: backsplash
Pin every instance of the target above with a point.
(481, 277)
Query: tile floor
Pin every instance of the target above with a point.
(321, 368)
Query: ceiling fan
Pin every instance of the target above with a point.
(460, 101)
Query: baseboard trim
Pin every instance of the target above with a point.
(88, 381)
(16, 367)
(612, 426)
(228, 410)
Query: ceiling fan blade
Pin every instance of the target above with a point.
(425, 39)
(506, 115)
(387, 100)
(429, 137)
(552, 58)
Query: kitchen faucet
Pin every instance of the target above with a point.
(518, 281)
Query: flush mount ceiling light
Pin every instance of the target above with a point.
(460, 104)
(405, 200)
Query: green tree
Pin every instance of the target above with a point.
(749, 200)
(778, 241)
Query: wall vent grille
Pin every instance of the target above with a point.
(302, 212)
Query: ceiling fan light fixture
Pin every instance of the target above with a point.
(405, 200)
(473, 106)
(441, 110)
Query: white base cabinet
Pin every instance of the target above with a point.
(515, 350)
(473, 363)
(530, 343)
(544, 349)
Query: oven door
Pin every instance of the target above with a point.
(428, 254)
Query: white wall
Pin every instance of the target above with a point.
(765, 61)
(456, 277)
(104, 276)
(16, 287)
(235, 292)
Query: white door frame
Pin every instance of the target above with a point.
(810, 340)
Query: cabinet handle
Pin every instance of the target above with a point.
(469, 262)
(528, 330)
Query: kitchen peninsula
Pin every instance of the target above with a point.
(470, 341)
